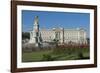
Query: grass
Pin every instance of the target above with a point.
(33, 56)
(55, 55)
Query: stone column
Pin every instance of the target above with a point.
(62, 36)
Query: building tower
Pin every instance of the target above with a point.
(35, 36)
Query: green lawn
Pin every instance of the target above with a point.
(54, 55)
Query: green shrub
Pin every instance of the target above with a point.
(80, 55)
(47, 57)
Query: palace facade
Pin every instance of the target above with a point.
(62, 35)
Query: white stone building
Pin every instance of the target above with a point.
(64, 35)
(38, 36)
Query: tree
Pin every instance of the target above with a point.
(88, 40)
(56, 42)
(25, 35)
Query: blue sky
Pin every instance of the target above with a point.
(55, 19)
